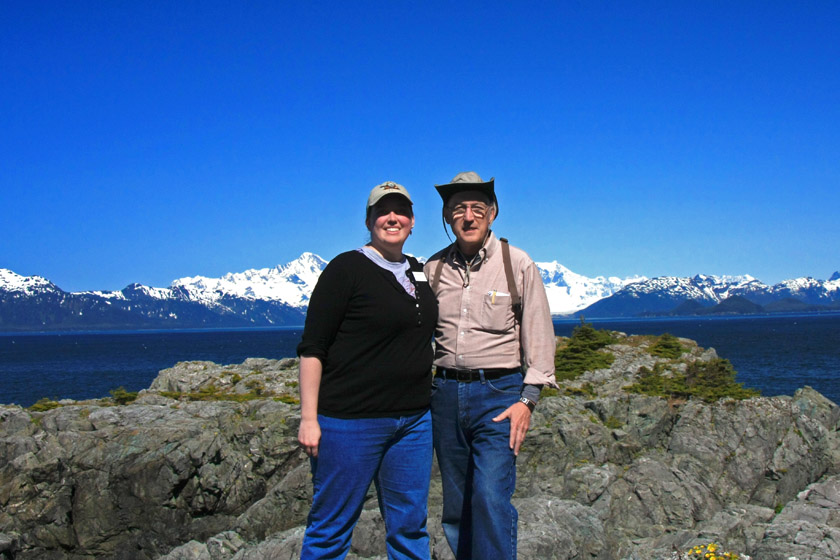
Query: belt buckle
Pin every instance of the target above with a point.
(463, 375)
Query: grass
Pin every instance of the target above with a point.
(212, 393)
(121, 397)
(613, 423)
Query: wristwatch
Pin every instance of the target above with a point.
(528, 402)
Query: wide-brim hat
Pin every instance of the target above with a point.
(384, 189)
(468, 181)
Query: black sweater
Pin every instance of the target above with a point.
(373, 339)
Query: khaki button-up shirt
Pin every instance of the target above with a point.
(476, 325)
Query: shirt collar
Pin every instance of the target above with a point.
(491, 245)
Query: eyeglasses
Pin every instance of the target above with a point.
(460, 210)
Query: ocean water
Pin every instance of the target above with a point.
(775, 354)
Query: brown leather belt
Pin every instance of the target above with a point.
(467, 375)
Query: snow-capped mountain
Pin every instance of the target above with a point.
(291, 284)
(664, 294)
(280, 295)
(23, 286)
(702, 288)
(267, 297)
(809, 289)
(569, 292)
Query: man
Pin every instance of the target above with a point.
(493, 355)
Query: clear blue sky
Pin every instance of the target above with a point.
(147, 141)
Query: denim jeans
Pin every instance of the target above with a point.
(396, 454)
(477, 465)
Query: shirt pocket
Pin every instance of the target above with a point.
(496, 312)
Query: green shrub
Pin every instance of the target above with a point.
(715, 380)
(121, 396)
(44, 405)
(582, 354)
(709, 381)
(667, 346)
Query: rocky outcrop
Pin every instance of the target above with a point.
(205, 465)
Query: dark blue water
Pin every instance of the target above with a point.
(776, 355)
(89, 365)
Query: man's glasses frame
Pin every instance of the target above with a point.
(479, 210)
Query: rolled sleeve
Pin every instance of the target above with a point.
(536, 333)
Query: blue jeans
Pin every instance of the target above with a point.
(396, 454)
(477, 465)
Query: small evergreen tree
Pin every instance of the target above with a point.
(667, 346)
(582, 353)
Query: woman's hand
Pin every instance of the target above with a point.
(309, 433)
(309, 436)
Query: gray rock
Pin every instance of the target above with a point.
(808, 527)
(8, 546)
(603, 474)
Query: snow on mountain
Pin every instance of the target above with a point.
(703, 288)
(134, 290)
(25, 285)
(281, 294)
(291, 283)
(808, 289)
(661, 294)
(568, 291)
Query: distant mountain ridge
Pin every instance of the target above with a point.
(280, 295)
(669, 295)
(266, 297)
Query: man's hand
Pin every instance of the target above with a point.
(309, 436)
(520, 421)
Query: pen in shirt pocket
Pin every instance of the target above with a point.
(494, 293)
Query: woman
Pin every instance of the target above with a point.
(365, 381)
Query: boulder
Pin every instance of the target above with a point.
(205, 465)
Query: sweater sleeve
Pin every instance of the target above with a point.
(327, 307)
